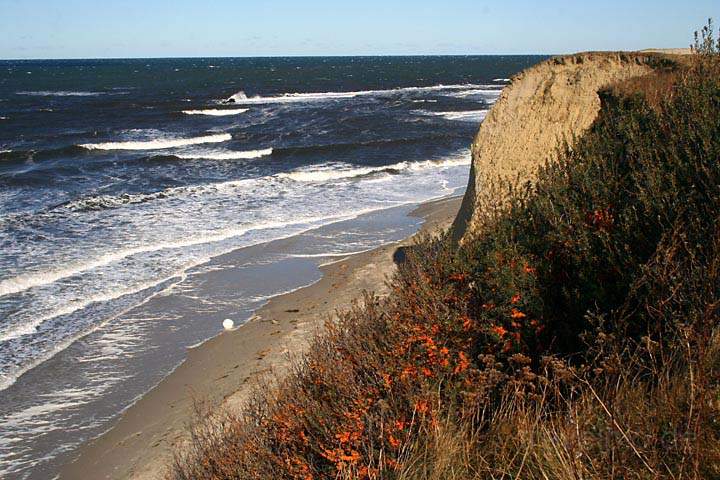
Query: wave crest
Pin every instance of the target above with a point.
(240, 98)
(215, 112)
(62, 93)
(158, 143)
(226, 155)
(467, 115)
(345, 171)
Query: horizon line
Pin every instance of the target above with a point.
(362, 55)
(180, 57)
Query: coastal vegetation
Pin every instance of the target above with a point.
(575, 335)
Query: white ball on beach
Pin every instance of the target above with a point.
(228, 324)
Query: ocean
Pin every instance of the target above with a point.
(126, 181)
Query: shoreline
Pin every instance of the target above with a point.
(223, 369)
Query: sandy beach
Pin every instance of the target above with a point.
(224, 369)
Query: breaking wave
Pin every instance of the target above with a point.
(102, 202)
(226, 155)
(158, 143)
(332, 172)
(215, 112)
(62, 93)
(486, 92)
(240, 98)
(467, 116)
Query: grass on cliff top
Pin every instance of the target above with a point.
(576, 337)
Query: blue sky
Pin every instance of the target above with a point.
(160, 28)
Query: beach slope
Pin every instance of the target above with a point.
(223, 370)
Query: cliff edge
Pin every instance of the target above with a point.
(543, 108)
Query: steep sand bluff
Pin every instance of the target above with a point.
(542, 109)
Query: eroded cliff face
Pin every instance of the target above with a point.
(543, 109)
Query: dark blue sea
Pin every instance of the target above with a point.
(121, 181)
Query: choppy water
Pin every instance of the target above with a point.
(120, 179)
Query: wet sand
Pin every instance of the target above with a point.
(224, 369)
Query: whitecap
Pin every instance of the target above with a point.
(100, 202)
(467, 115)
(226, 155)
(330, 172)
(62, 93)
(492, 92)
(158, 143)
(240, 98)
(216, 112)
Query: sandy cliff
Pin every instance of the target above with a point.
(542, 108)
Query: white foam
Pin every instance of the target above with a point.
(504, 80)
(31, 280)
(215, 112)
(112, 201)
(47, 93)
(227, 155)
(491, 92)
(468, 115)
(455, 161)
(8, 380)
(37, 279)
(70, 307)
(241, 99)
(331, 172)
(41, 410)
(329, 254)
(30, 327)
(158, 143)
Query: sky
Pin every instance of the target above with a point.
(184, 28)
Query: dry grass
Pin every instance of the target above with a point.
(655, 88)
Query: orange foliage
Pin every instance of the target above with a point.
(459, 277)
(422, 407)
(499, 331)
(394, 442)
(463, 363)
